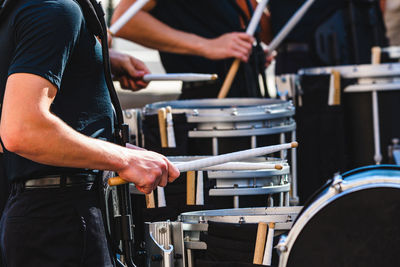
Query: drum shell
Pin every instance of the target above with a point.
(340, 137)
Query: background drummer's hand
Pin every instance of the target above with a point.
(235, 44)
(147, 170)
(269, 58)
(128, 70)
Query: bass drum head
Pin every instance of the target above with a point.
(360, 228)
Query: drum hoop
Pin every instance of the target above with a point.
(330, 196)
(329, 182)
(205, 107)
(357, 71)
(237, 214)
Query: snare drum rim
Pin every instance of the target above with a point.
(329, 194)
(227, 109)
(356, 71)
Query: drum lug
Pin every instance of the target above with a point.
(337, 183)
(234, 112)
(242, 220)
(281, 246)
(201, 219)
(195, 112)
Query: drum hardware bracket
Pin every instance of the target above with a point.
(394, 151)
(337, 183)
(281, 246)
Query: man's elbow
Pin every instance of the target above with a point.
(13, 139)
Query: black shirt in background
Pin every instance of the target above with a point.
(208, 19)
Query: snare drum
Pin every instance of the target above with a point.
(218, 126)
(213, 236)
(352, 221)
(251, 179)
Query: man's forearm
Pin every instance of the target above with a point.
(53, 142)
(146, 30)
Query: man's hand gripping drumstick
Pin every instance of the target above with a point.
(196, 164)
(149, 170)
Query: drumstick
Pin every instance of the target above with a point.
(376, 52)
(161, 197)
(150, 203)
(269, 244)
(220, 159)
(260, 243)
(190, 186)
(236, 63)
(185, 77)
(242, 166)
(161, 125)
(170, 128)
(199, 189)
(273, 45)
(132, 10)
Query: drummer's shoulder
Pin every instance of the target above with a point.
(50, 9)
(48, 15)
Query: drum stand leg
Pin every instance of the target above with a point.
(235, 202)
(190, 260)
(270, 201)
(281, 198)
(282, 140)
(375, 114)
(253, 141)
(215, 146)
(287, 199)
(295, 197)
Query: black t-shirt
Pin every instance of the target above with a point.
(209, 19)
(49, 38)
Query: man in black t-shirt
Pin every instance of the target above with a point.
(57, 128)
(201, 36)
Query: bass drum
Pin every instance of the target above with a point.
(352, 221)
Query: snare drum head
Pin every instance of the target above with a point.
(357, 227)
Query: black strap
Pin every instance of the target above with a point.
(94, 16)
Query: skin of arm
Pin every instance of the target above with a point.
(146, 30)
(29, 129)
(129, 71)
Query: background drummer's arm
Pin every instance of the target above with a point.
(129, 71)
(146, 30)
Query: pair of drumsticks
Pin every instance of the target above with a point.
(264, 243)
(167, 138)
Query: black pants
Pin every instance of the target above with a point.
(54, 227)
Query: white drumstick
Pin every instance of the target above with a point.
(269, 244)
(185, 77)
(170, 128)
(161, 197)
(199, 189)
(255, 19)
(220, 159)
(235, 156)
(132, 10)
(239, 166)
(289, 26)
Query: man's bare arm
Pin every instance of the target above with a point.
(29, 129)
(146, 30)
